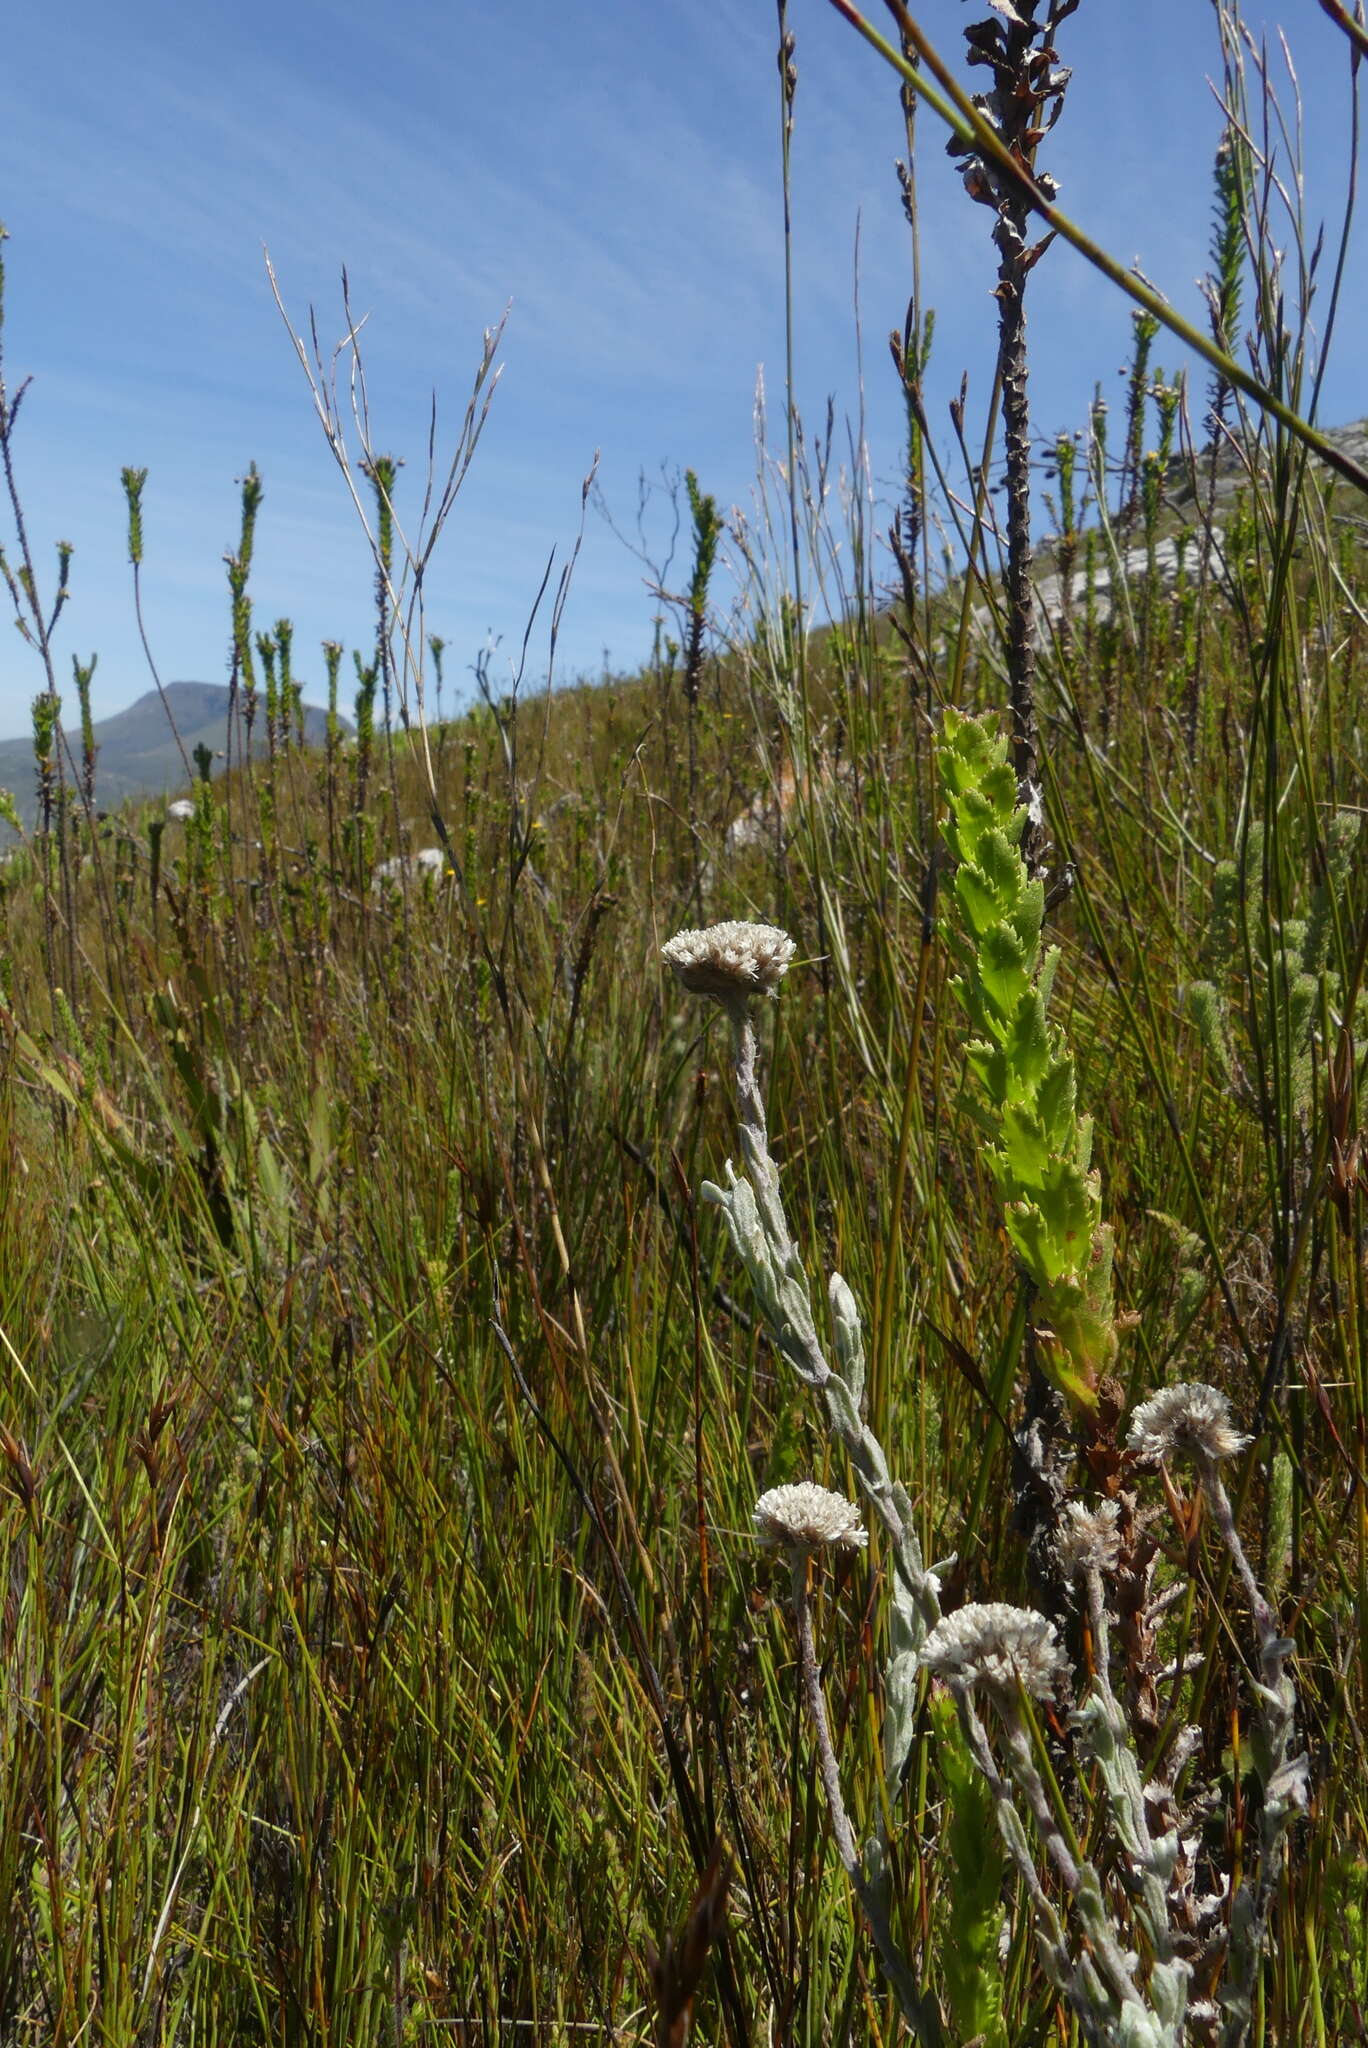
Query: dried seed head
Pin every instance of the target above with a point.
(1189, 1419)
(808, 1517)
(730, 960)
(1089, 1539)
(997, 1647)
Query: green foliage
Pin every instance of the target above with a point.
(1193, 1278)
(1261, 1031)
(1345, 1922)
(239, 565)
(972, 1937)
(707, 531)
(382, 473)
(332, 662)
(1040, 1147)
(47, 708)
(83, 674)
(133, 481)
(1224, 285)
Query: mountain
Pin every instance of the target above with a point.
(137, 755)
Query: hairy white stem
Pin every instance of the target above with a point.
(919, 2010)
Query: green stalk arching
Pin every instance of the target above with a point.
(1039, 1148)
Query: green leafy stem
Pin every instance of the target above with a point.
(1039, 1147)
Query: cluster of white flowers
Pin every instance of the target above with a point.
(998, 1647)
(1188, 1419)
(1004, 1654)
(806, 1516)
(730, 960)
(1089, 1539)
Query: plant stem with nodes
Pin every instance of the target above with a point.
(946, 98)
(1024, 104)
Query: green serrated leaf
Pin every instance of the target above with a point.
(1083, 1144)
(1099, 1282)
(1055, 1100)
(1027, 1046)
(1061, 1358)
(1084, 1333)
(1025, 1148)
(1029, 915)
(1002, 866)
(988, 1063)
(1071, 1204)
(978, 900)
(1053, 1230)
(1043, 1259)
(1045, 980)
(1000, 788)
(973, 820)
(1004, 970)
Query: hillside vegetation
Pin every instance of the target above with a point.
(150, 747)
(390, 1655)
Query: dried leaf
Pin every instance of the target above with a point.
(1035, 252)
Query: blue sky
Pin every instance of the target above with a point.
(610, 172)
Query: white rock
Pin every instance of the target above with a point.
(429, 861)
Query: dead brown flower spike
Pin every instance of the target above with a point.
(677, 1970)
(21, 1471)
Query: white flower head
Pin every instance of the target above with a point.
(1088, 1539)
(806, 1516)
(730, 961)
(997, 1647)
(1189, 1419)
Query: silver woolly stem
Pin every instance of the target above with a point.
(815, 1701)
(1108, 1738)
(1104, 1731)
(1130, 2020)
(760, 1231)
(1079, 1982)
(919, 2010)
(760, 1234)
(1282, 1775)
